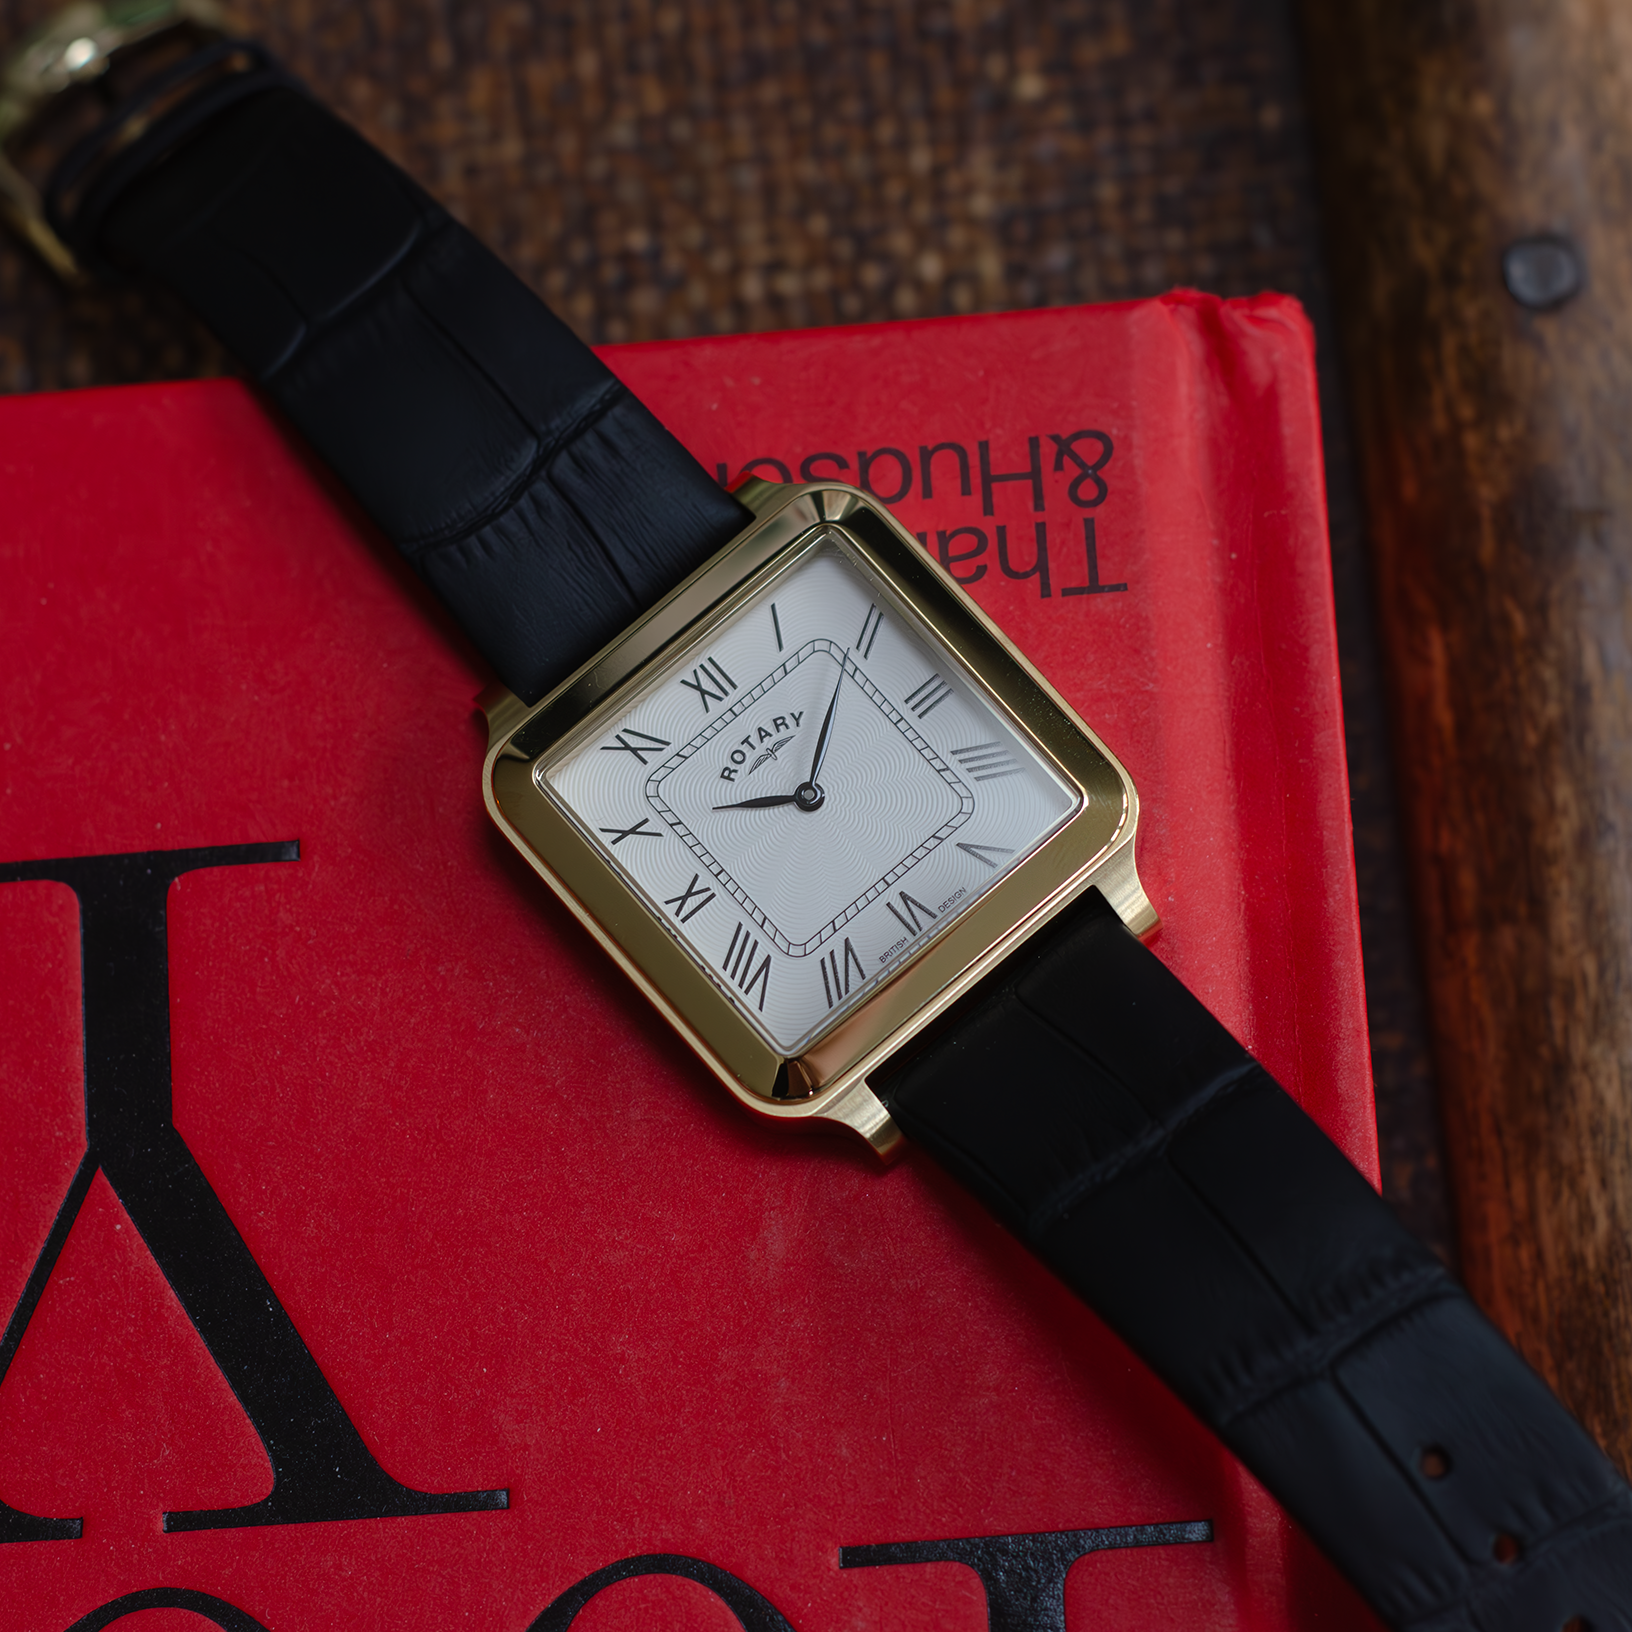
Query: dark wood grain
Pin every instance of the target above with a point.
(1495, 447)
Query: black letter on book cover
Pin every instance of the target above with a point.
(1024, 1576)
(1065, 447)
(903, 473)
(321, 1469)
(229, 1617)
(951, 557)
(1090, 549)
(989, 478)
(754, 1613)
(1039, 565)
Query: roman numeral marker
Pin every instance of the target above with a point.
(689, 894)
(925, 699)
(987, 761)
(985, 852)
(912, 908)
(739, 964)
(705, 678)
(640, 749)
(638, 831)
(839, 984)
(869, 631)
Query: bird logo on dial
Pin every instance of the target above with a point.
(769, 754)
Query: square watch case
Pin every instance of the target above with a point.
(822, 1075)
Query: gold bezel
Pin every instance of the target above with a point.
(828, 1080)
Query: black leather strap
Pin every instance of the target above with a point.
(545, 505)
(1094, 1104)
(1128, 1139)
(151, 111)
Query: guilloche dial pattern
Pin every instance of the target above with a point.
(808, 795)
(886, 782)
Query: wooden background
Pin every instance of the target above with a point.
(1495, 429)
(661, 170)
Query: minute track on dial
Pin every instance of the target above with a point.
(872, 879)
(893, 836)
(809, 795)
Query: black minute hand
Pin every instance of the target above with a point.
(827, 731)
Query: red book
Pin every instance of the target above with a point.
(530, 1249)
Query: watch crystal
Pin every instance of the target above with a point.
(809, 794)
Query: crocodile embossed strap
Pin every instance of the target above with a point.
(1121, 1132)
(545, 506)
(1083, 1093)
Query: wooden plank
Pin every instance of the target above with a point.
(1477, 163)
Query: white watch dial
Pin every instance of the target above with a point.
(809, 794)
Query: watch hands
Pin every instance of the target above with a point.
(826, 733)
(762, 804)
(808, 796)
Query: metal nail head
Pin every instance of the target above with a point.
(1542, 272)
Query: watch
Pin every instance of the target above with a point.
(869, 865)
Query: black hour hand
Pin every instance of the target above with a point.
(807, 797)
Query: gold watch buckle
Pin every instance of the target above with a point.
(58, 83)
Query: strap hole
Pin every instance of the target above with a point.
(1434, 1463)
(1505, 1548)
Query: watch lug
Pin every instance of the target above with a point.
(505, 711)
(761, 496)
(1118, 881)
(860, 1110)
(829, 501)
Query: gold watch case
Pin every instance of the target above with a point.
(827, 1082)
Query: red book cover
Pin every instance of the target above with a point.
(654, 1362)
